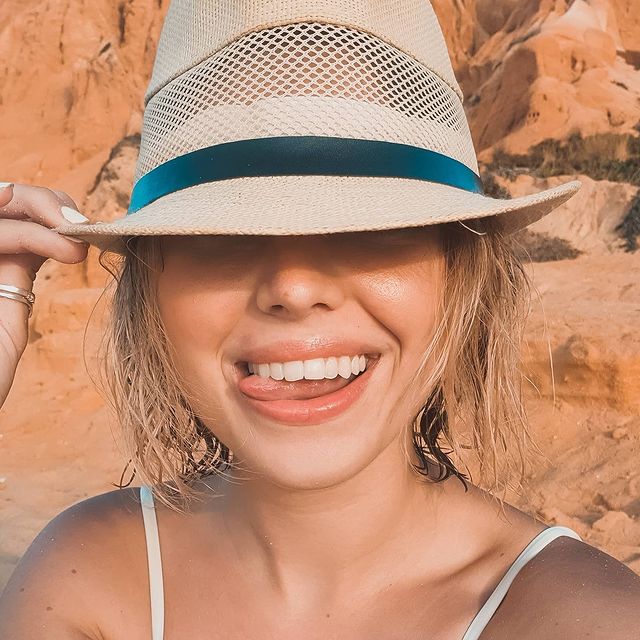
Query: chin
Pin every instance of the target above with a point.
(317, 455)
(311, 457)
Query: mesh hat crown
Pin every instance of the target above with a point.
(294, 117)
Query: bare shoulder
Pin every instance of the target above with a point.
(570, 590)
(73, 568)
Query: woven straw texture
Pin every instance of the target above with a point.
(230, 70)
(196, 29)
(305, 79)
(298, 205)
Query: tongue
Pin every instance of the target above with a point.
(261, 388)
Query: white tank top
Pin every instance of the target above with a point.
(473, 631)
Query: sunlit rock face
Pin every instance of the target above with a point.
(71, 84)
(546, 68)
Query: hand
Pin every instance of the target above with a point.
(27, 215)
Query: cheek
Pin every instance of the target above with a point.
(406, 301)
(198, 312)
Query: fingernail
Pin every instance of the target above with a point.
(4, 185)
(73, 216)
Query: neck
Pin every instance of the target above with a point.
(325, 539)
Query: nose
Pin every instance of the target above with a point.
(298, 279)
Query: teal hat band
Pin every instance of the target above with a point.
(301, 155)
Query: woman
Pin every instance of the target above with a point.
(306, 339)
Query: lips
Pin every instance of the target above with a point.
(303, 402)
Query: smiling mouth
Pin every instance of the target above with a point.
(302, 380)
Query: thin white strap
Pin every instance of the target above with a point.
(155, 562)
(493, 602)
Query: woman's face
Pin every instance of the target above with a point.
(231, 302)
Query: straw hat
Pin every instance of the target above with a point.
(285, 117)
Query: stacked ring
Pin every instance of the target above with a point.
(20, 295)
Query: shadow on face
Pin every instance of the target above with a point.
(357, 252)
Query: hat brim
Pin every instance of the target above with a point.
(307, 205)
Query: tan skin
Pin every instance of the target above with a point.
(326, 532)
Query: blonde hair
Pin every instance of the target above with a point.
(474, 406)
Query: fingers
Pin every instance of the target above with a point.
(36, 204)
(20, 270)
(27, 240)
(23, 236)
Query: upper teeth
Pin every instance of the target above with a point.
(316, 369)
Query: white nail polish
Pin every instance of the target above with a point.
(4, 185)
(73, 216)
(75, 239)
